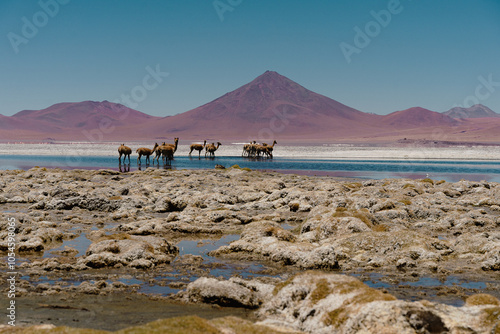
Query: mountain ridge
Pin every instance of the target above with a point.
(267, 103)
(475, 111)
(417, 117)
(271, 106)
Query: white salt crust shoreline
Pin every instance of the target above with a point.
(339, 151)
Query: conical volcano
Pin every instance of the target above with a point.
(272, 106)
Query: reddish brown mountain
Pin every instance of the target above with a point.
(88, 120)
(8, 123)
(83, 115)
(476, 111)
(269, 106)
(417, 117)
(258, 99)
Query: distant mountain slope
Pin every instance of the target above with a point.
(418, 117)
(257, 100)
(8, 123)
(269, 106)
(84, 115)
(476, 111)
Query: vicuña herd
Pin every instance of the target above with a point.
(166, 151)
(254, 150)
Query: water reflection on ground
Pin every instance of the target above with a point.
(166, 283)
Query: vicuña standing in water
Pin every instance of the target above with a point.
(161, 147)
(197, 147)
(174, 145)
(167, 151)
(125, 151)
(158, 153)
(210, 149)
(143, 151)
(248, 149)
(269, 149)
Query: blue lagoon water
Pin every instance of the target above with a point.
(448, 170)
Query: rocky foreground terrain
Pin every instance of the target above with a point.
(316, 239)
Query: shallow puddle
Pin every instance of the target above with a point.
(287, 226)
(203, 246)
(80, 243)
(450, 281)
(160, 284)
(428, 287)
(167, 281)
(377, 281)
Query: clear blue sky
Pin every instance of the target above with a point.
(431, 53)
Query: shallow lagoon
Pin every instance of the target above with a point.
(449, 164)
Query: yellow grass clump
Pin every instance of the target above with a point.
(482, 299)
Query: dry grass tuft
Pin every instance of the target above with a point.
(364, 215)
(405, 201)
(294, 207)
(482, 299)
(365, 295)
(492, 317)
(380, 228)
(281, 285)
(427, 180)
(321, 291)
(353, 185)
(279, 233)
(178, 325)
